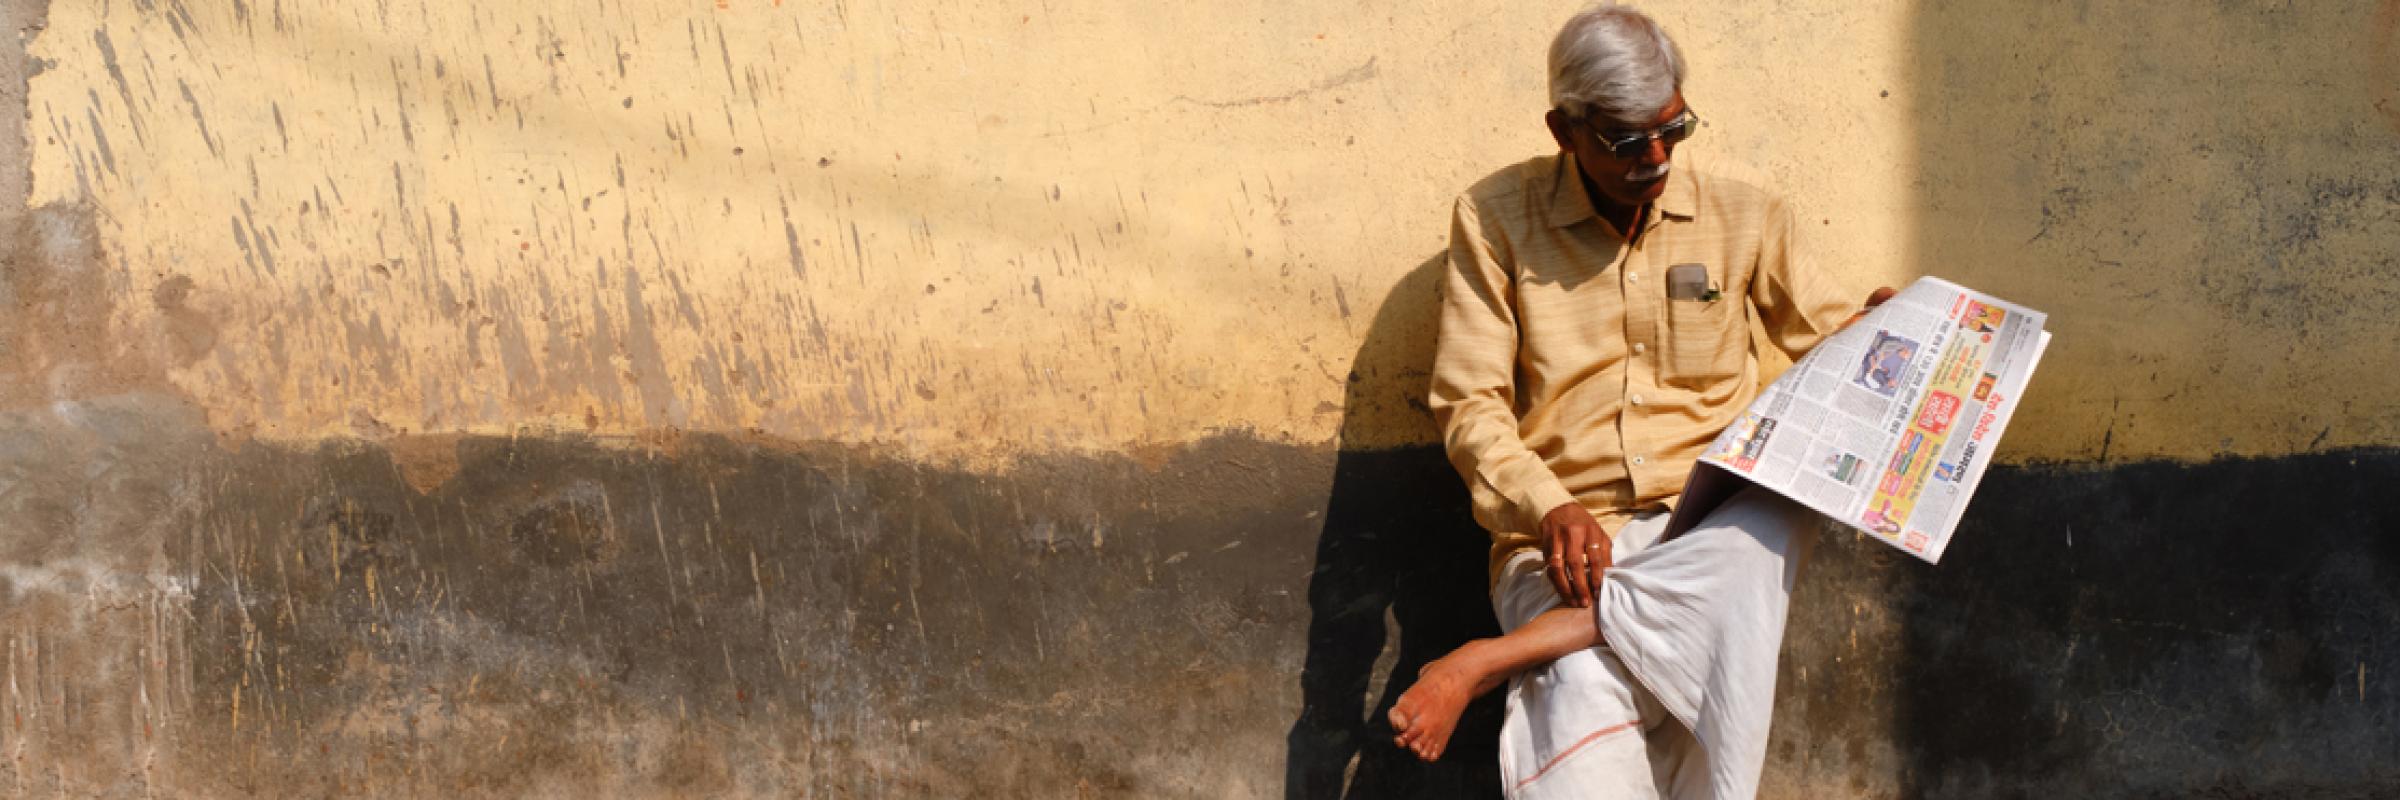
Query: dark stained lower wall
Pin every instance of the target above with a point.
(754, 617)
(501, 616)
(2229, 629)
(708, 615)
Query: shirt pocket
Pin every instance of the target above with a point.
(1706, 339)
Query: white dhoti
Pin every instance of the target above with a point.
(1677, 703)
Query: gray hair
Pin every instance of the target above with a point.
(1613, 64)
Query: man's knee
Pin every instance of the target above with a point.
(1778, 523)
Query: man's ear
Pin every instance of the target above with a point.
(1560, 130)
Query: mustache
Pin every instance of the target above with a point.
(1647, 173)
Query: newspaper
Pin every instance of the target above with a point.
(1886, 426)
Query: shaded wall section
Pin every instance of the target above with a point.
(717, 616)
(1025, 399)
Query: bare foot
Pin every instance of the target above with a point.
(1427, 713)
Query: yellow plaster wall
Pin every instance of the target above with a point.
(2206, 197)
(974, 229)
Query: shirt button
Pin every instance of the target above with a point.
(1633, 277)
(1638, 348)
(1637, 399)
(1637, 461)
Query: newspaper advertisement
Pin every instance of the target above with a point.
(1887, 426)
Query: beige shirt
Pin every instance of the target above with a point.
(1565, 373)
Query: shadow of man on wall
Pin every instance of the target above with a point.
(1399, 538)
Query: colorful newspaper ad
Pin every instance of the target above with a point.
(1888, 425)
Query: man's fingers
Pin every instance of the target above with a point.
(1581, 561)
(1574, 575)
(1568, 535)
(1590, 578)
(1592, 568)
(1562, 564)
(1566, 577)
(1566, 582)
(1595, 562)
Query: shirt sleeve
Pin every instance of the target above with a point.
(1797, 303)
(1474, 385)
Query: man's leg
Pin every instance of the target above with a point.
(1540, 630)
(1429, 710)
(1709, 607)
(1700, 619)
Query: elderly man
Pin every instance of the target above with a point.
(1595, 338)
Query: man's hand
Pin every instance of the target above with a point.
(1874, 299)
(1576, 550)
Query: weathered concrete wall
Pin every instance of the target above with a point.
(909, 398)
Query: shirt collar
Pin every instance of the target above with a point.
(1569, 204)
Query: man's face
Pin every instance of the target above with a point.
(1623, 182)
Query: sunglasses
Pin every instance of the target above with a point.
(1632, 145)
